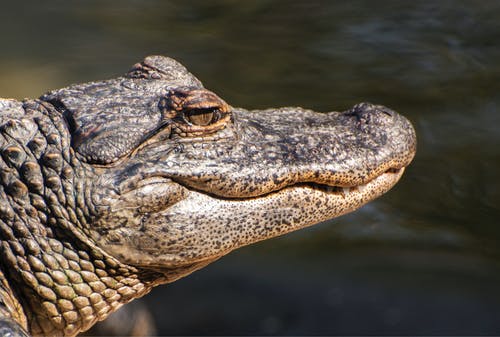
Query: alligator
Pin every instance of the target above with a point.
(110, 188)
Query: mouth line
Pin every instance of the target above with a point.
(345, 189)
(325, 188)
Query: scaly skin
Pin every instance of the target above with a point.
(111, 188)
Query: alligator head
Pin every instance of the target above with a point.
(110, 188)
(181, 178)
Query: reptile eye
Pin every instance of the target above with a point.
(202, 117)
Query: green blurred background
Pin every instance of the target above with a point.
(425, 258)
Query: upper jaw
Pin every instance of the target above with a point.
(260, 154)
(265, 151)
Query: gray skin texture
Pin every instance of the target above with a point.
(110, 188)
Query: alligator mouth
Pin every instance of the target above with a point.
(388, 174)
(383, 181)
(264, 216)
(271, 214)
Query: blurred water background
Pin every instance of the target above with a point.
(425, 258)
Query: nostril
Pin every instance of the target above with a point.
(360, 109)
(368, 110)
(385, 110)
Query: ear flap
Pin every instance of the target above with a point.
(107, 120)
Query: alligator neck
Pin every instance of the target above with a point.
(67, 283)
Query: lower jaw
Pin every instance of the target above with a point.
(245, 221)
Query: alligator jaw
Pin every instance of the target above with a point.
(286, 210)
(218, 225)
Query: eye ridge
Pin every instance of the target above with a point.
(202, 116)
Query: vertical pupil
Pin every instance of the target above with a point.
(201, 117)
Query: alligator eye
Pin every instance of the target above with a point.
(202, 116)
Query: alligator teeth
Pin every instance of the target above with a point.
(331, 189)
(337, 189)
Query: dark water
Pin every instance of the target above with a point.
(425, 258)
